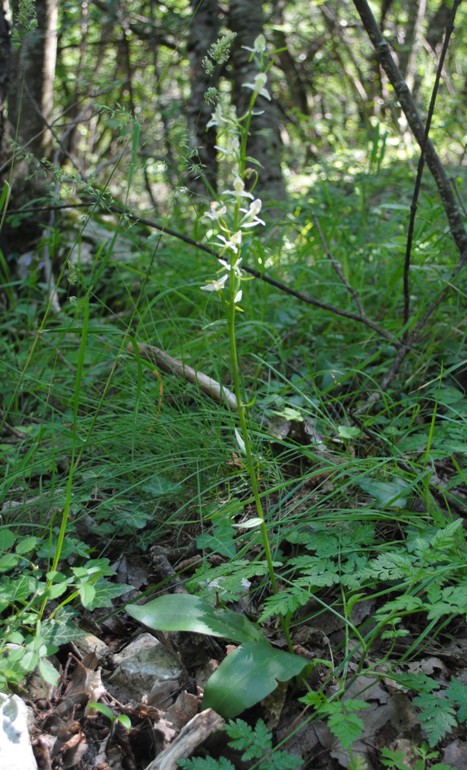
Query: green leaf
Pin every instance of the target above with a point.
(184, 612)
(7, 538)
(102, 709)
(457, 692)
(391, 566)
(87, 594)
(57, 590)
(158, 485)
(26, 545)
(60, 630)
(220, 541)
(106, 592)
(248, 675)
(389, 494)
(344, 723)
(48, 672)
(253, 743)
(453, 602)
(124, 720)
(8, 561)
(437, 716)
(206, 763)
(348, 431)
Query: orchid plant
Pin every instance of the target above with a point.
(232, 218)
(254, 669)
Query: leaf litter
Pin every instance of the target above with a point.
(69, 733)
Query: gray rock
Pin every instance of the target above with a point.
(145, 668)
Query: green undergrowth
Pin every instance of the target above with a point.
(362, 511)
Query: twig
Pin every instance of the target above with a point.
(387, 379)
(383, 52)
(174, 366)
(420, 167)
(191, 736)
(121, 211)
(406, 347)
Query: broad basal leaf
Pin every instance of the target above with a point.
(389, 494)
(184, 612)
(248, 675)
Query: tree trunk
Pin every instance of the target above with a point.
(30, 98)
(408, 54)
(246, 19)
(204, 31)
(5, 53)
(27, 140)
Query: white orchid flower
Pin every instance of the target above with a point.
(239, 191)
(258, 85)
(235, 267)
(259, 46)
(233, 243)
(216, 211)
(217, 285)
(251, 218)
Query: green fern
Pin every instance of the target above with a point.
(230, 575)
(206, 763)
(457, 692)
(285, 603)
(254, 743)
(436, 714)
(342, 717)
(436, 710)
(343, 722)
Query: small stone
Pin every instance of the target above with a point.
(142, 667)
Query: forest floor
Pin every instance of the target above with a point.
(159, 683)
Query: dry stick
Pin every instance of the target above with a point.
(192, 735)
(452, 210)
(174, 366)
(421, 165)
(383, 52)
(103, 202)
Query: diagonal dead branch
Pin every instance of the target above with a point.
(171, 365)
(421, 166)
(102, 202)
(195, 732)
(383, 52)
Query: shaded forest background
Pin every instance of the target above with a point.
(77, 81)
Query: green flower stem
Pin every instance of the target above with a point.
(242, 418)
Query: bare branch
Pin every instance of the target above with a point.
(173, 366)
(383, 52)
(421, 165)
(102, 201)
